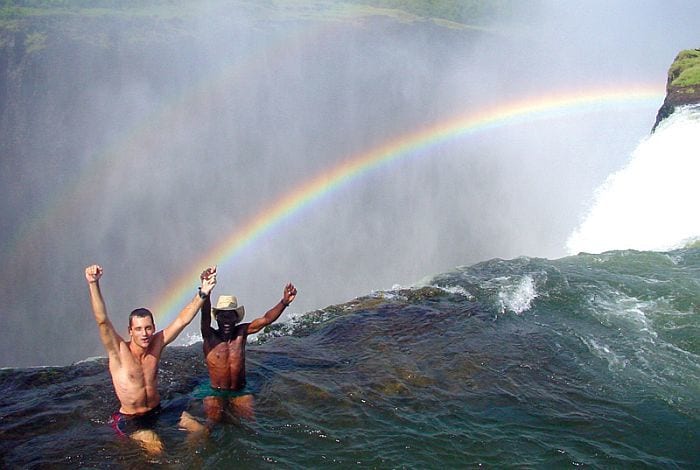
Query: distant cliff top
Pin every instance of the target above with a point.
(683, 85)
(29, 26)
(448, 13)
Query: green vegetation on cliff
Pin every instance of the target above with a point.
(683, 86)
(458, 12)
(685, 70)
(33, 26)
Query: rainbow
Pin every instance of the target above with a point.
(552, 105)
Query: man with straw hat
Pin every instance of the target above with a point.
(224, 350)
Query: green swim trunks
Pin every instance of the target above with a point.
(204, 389)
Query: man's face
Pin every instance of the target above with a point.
(226, 320)
(141, 331)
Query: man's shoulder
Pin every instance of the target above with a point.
(242, 329)
(157, 342)
(158, 337)
(210, 339)
(210, 335)
(240, 332)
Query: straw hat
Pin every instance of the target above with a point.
(229, 302)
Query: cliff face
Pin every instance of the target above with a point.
(683, 85)
(66, 77)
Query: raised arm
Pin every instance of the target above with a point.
(187, 314)
(205, 318)
(288, 296)
(108, 335)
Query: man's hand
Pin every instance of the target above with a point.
(289, 294)
(271, 316)
(208, 272)
(93, 273)
(208, 278)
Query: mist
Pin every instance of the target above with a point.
(144, 159)
(648, 204)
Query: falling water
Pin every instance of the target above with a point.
(651, 203)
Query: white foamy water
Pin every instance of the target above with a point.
(518, 297)
(189, 339)
(651, 204)
(458, 290)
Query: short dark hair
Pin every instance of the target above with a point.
(141, 312)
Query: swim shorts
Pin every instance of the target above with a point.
(204, 389)
(125, 425)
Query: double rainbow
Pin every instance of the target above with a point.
(547, 106)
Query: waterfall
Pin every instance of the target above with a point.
(651, 203)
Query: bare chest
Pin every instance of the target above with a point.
(225, 351)
(143, 370)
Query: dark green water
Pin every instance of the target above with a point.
(590, 360)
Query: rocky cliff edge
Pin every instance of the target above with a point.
(683, 85)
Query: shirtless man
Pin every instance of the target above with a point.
(133, 364)
(224, 351)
